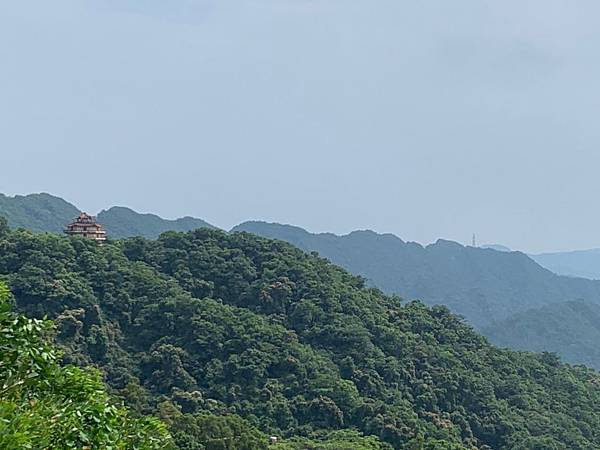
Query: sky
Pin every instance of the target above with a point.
(429, 119)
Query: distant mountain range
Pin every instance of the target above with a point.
(37, 212)
(495, 291)
(121, 222)
(579, 263)
(483, 285)
(506, 295)
(47, 213)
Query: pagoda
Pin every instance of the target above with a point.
(87, 227)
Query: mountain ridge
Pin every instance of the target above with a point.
(232, 323)
(44, 212)
(37, 212)
(123, 222)
(576, 263)
(396, 266)
(483, 285)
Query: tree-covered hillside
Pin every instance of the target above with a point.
(45, 406)
(214, 323)
(506, 295)
(570, 328)
(37, 212)
(483, 285)
(121, 222)
(47, 213)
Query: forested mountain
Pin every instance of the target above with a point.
(47, 213)
(121, 222)
(580, 263)
(203, 325)
(569, 328)
(37, 212)
(483, 285)
(498, 292)
(46, 406)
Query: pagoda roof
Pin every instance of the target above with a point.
(84, 217)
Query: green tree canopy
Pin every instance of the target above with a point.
(211, 323)
(45, 406)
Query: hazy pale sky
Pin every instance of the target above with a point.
(425, 118)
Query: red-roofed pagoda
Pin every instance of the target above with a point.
(87, 227)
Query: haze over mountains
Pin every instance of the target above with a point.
(505, 295)
(578, 263)
(571, 329)
(483, 285)
(37, 212)
(121, 222)
(495, 291)
(205, 328)
(45, 212)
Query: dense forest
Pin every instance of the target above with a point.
(234, 338)
(44, 405)
(494, 292)
(489, 288)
